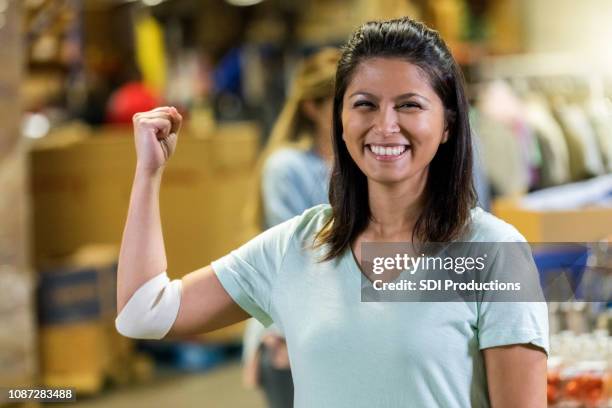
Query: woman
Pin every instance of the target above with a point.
(402, 172)
(299, 147)
(293, 165)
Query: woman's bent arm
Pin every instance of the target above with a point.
(198, 302)
(205, 305)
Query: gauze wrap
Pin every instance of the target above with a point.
(152, 309)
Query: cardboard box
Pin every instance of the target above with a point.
(81, 287)
(81, 193)
(85, 355)
(79, 346)
(582, 225)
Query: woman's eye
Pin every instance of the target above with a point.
(409, 105)
(363, 103)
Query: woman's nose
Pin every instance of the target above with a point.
(387, 122)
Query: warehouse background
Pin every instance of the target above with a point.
(539, 78)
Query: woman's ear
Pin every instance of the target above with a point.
(449, 118)
(445, 135)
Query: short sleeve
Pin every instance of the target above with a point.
(248, 273)
(524, 321)
(505, 323)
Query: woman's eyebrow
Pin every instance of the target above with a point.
(411, 94)
(402, 96)
(364, 93)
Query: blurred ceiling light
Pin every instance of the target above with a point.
(243, 3)
(35, 125)
(152, 3)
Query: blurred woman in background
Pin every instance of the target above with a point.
(293, 176)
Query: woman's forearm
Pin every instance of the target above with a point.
(516, 376)
(142, 255)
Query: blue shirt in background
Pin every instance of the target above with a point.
(293, 180)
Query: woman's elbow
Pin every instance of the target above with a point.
(151, 311)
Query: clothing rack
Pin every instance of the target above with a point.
(539, 64)
(548, 66)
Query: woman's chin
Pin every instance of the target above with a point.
(389, 179)
(394, 176)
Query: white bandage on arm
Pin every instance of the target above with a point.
(152, 309)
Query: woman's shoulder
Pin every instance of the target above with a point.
(277, 240)
(312, 220)
(486, 227)
(299, 229)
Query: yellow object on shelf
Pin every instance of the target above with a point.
(150, 51)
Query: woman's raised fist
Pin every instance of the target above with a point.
(155, 134)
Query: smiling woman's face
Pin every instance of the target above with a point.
(393, 120)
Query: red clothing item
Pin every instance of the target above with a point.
(131, 98)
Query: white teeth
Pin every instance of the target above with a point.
(388, 151)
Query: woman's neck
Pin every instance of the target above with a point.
(395, 209)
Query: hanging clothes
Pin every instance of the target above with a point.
(553, 147)
(501, 103)
(584, 154)
(501, 156)
(498, 103)
(599, 113)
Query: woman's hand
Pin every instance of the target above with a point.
(155, 134)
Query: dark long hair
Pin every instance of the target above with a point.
(449, 189)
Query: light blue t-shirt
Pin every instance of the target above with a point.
(345, 353)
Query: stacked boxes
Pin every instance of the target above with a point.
(79, 346)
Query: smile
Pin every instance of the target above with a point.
(388, 152)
